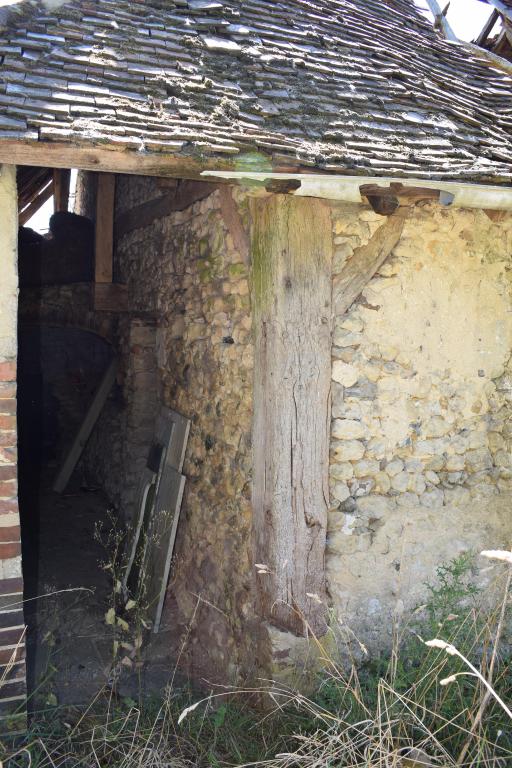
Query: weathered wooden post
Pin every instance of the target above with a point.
(292, 288)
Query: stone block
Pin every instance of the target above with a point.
(382, 483)
(366, 468)
(343, 471)
(374, 506)
(394, 467)
(344, 374)
(348, 450)
(364, 390)
(340, 492)
(348, 429)
(478, 460)
(400, 482)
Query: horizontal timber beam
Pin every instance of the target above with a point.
(91, 158)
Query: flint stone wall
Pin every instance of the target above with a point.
(421, 462)
(185, 272)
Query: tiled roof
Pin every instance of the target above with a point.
(352, 86)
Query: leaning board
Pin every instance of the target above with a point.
(163, 471)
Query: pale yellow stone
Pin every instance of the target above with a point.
(382, 483)
(432, 477)
(400, 482)
(366, 468)
(343, 471)
(348, 450)
(344, 374)
(394, 467)
(348, 429)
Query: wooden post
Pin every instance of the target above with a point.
(105, 227)
(61, 182)
(292, 260)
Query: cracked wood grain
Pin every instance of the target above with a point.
(292, 261)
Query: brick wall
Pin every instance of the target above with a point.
(12, 628)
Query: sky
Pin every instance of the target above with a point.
(466, 17)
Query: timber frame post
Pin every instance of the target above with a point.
(292, 291)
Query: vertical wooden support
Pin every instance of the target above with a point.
(105, 227)
(61, 182)
(292, 261)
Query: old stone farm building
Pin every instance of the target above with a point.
(283, 303)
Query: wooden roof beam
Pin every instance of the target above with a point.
(486, 31)
(502, 8)
(441, 21)
(36, 204)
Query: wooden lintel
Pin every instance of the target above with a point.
(94, 158)
(104, 240)
(111, 297)
(36, 204)
(61, 182)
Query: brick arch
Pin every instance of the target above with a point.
(69, 306)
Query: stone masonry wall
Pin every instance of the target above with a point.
(421, 449)
(12, 667)
(185, 271)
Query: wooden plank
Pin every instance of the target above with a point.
(30, 183)
(171, 438)
(486, 31)
(161, 541)
(104, 240)
(502, 8)
(178, 439)
(163, 432)
(86, 428)
(182, 196)
(441, 21)
(491, 58)
(111, 297)
(366, 260)
(61, 183)
(292, 266)
(143, 512)
(91, 157)
(36, 204)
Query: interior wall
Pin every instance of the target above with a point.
(421, 462)
(186, 273)
(11, 585)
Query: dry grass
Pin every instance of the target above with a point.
(444, 702)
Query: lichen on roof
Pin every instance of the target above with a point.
(349, 86)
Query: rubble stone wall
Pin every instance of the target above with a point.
(184, 270)
(421, 448)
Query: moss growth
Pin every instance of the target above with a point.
(237, 270)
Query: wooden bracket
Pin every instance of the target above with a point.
(386, 200)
